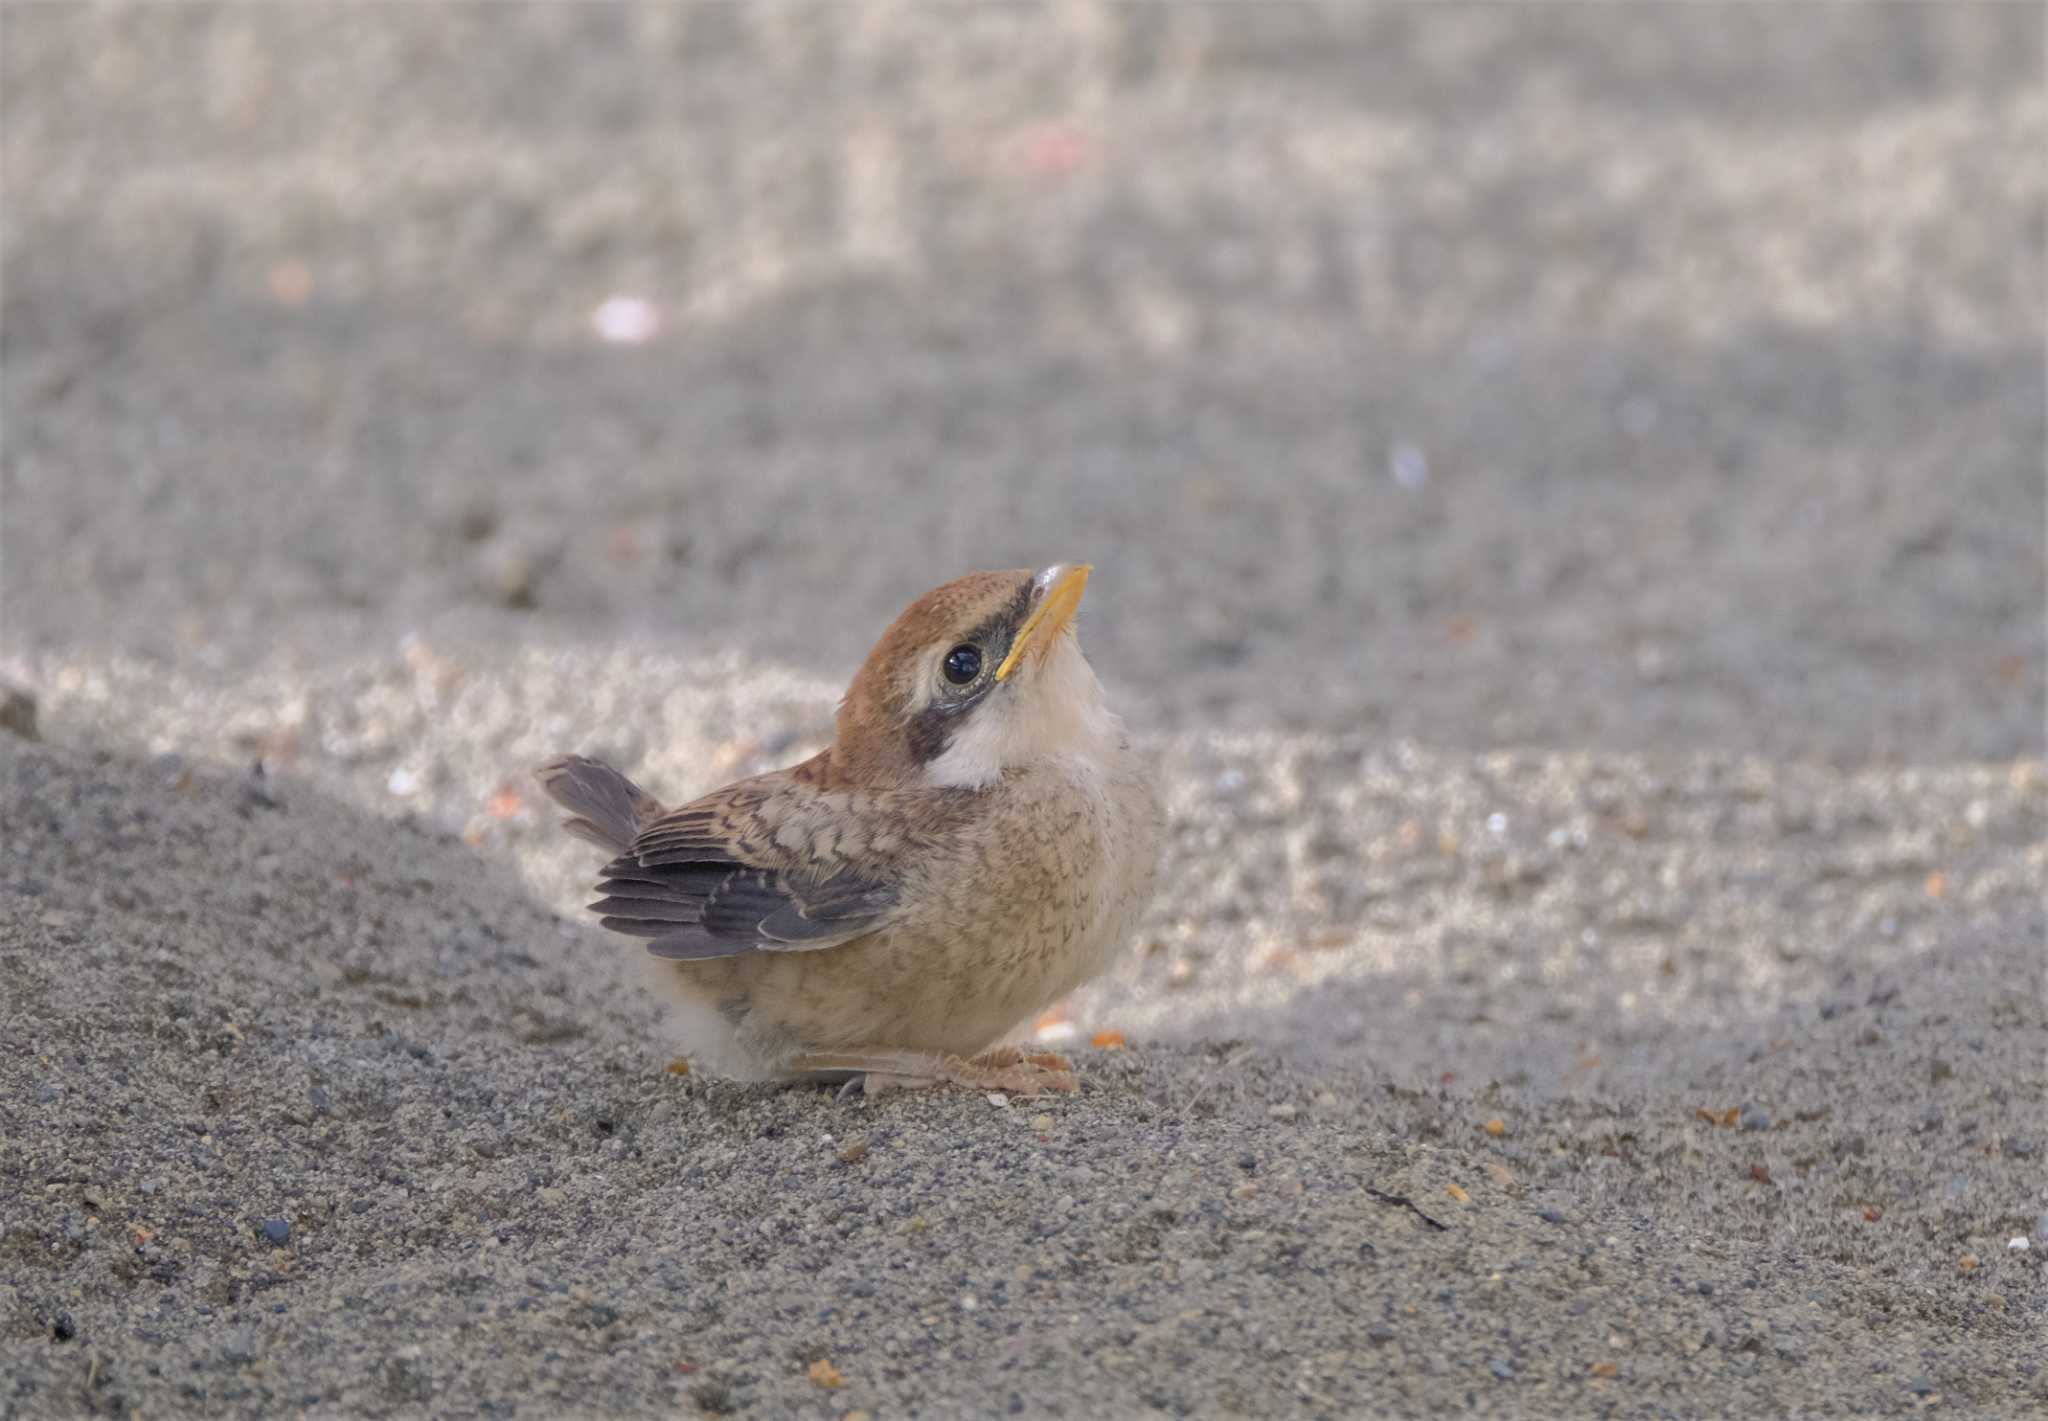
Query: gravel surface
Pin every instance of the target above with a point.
(317, 1110)
(1567, 484)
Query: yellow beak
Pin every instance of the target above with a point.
(1052, 616)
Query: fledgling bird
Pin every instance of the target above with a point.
(976, 842)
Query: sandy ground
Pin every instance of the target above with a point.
(1567, 484)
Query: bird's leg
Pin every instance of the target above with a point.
(884, 1069)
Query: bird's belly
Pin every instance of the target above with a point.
(957, 995)
(1029, 920)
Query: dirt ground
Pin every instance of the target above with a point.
(1567, 484)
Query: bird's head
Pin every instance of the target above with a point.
(977, 677)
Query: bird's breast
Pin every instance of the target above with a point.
(1037, 898)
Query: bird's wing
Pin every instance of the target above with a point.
(765, 865)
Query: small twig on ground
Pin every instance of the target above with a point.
(1402, 1201)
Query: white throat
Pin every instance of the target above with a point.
(1057, 713)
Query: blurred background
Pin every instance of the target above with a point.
(1632, 377)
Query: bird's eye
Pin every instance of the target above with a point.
(963, 664)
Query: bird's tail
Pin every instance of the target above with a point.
(609, 809)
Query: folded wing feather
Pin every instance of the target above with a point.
(716, 879)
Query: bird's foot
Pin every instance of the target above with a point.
(1007, 1069)
(1022, 1072)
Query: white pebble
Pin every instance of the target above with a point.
(2022, 1243)
(999, 1100)
(1408, 465)
(402, 782)
(1497, 822)
(626, 320)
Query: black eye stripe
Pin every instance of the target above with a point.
(993, 636)
(931, 729)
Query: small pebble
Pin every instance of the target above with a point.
(1041, 1123)
(278, 1231)
(2020, 1242)
(1753, 1118)
(999, 1100)
(1408, 466)
(18, 713)
(626, 320)
(509, 572)
(1281, 1112)
(1503, 1369)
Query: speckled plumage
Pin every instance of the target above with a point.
(956, 861)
